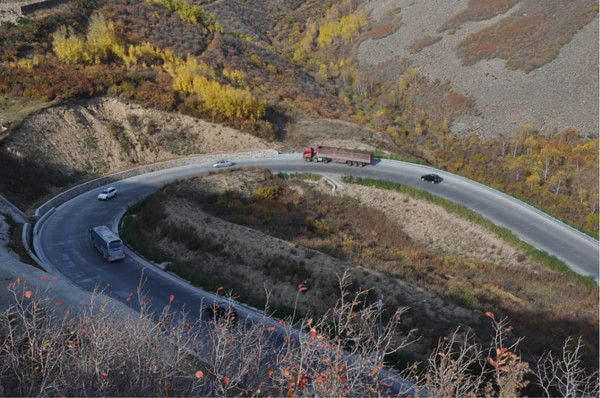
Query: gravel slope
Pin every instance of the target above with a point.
(562, 93)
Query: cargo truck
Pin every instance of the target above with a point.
(328, 154)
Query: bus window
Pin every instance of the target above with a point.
(115, 244)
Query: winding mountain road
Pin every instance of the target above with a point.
(61, 240)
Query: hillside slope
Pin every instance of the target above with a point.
(550, 82)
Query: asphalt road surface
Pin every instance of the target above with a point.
(62, 240)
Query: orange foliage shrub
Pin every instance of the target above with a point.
(379, 32)
(478, 10)
(531, 38)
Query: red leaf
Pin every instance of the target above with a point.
(171, 298)
(43, 277)
(490, 315)
(226, 380)
(313, 333)
(301, 288)
(492, 362)
(103, 375)
(28, 294)
(10, 285)
(199, 374)
(270, 329)
(188, 325)
(59, 302)
(281, 321)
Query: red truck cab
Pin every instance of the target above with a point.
(309, 153)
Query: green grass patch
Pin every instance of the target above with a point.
(299, 176)
(471, 216)
(399, 156)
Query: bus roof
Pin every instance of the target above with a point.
(105, 233)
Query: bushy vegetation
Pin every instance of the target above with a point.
(425, 41)
(104, 349)
(417, 114)
(101, 52)
(528, 39)
(99, 44)
(302, 63)
(476, 218)
(188, 12)
(478, 10)
(364, 237)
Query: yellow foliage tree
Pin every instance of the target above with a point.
(225, 100)
(346, 28)
(100, 39)
(100, 42)
(235, 76)
(188, 12)
(184, 72)
(69, 47)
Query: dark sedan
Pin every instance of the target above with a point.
(432, 178)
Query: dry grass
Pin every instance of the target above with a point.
(381, 31)
(325, 236)
(487, 280)
(13, 110)
(423, 42)
(369, 238)
(532, 37)
(102, 349)
(478, 10)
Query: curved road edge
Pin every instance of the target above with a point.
(66, 196)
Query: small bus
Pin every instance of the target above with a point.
(107, 243)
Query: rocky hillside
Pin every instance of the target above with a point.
(526, 61)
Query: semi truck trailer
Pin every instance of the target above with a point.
(328, 154)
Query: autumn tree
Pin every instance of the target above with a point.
(99, 44)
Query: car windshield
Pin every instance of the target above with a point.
(105, 191)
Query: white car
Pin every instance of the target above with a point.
(223, 163)
(107, 193)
